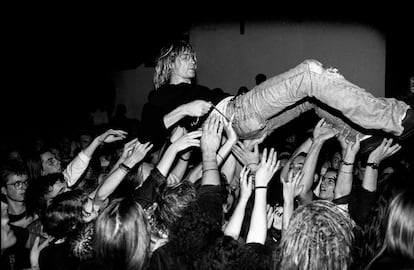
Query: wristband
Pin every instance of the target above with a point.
(373, 165)
(260, 187)
(124, 167)
(347, 163)
(214, 169)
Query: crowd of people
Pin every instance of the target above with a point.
(216, 181)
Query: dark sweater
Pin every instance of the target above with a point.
(167, 98)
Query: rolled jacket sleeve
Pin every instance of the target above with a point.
(76, 168)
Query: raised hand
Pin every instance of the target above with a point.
(35, 250)
(112, 135)
(323, 131)
(383, 151)
(228, 129)
(246, 184)
(197, 108)
(128, 147)
(277, 217)
(137, 153)
(246, 156)
(348, 146)
(211, 137)
(292, 186)
(267, 167)
(187, 140)
(251, 143)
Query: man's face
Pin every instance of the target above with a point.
(16, 187)
(185, 66)
(8, 238)
(50, 164)
(327, 188)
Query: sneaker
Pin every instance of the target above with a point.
(370, 143)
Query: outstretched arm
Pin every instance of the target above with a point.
(383, 151)
(291, 189)
(321, 134)
(258, 222)
(233, 228)
(343, 185)
(78, 165)
(113, 180)
(182, 143)
(210, 142)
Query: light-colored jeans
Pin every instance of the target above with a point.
(284, 97)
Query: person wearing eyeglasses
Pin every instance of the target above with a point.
(14, 181)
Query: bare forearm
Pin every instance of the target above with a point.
(167, 160)
(210, 169)
(224, 151)
(370, 179)
(110, 183)
(258, 223)
(174, 116)
(88, 151)
(229, 168)
(343, 186)
(233, 228)
(309, 168)
(288, 207)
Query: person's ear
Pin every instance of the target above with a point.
(4, 190)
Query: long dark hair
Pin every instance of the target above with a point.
(122, 238)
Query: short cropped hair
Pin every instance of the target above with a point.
(11, 168)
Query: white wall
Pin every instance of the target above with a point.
(229, 60)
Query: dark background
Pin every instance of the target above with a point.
(59, 64)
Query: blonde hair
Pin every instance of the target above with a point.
(319, 237)
(399, 235)
(166, 58)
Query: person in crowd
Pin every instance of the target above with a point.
(318, 236)
(122, 236)
(69, 220)
(259, 78)
(269, 105)
(242, 90)
(14, 255)
(44, 162)
(398, 248)
(14, 182)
